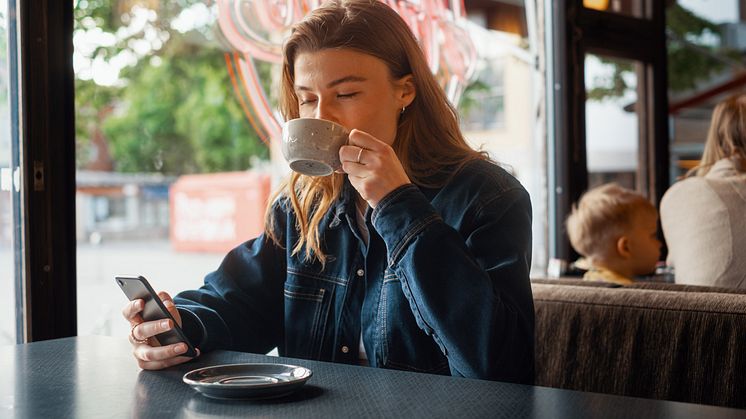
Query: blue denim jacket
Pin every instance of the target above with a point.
(441, 286)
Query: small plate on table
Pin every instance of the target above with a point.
(248, 381)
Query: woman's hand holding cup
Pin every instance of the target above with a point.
(372, 167)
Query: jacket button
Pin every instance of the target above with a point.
(345, 349)
(360, 272)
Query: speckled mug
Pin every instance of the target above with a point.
(311, 146)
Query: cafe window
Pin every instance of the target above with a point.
(705, 47)
(174, 119)
(171, 173)
(483, 104)
(501, 108)
(612, 126)
(161, 94)
(608, 69)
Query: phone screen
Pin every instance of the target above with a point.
(137, 287)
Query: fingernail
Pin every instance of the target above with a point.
(164, 324)
(180, 348)
(140, 303)
(168, 303)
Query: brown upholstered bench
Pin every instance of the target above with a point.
(685, 344)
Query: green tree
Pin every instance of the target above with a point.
(92, 103)
(174, 111)
(181, 117)
(690, 59)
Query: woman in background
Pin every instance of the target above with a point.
(704, 215)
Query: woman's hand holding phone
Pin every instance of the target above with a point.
(148, 352)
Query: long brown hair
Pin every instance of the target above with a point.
(428, 140)
(727, 134)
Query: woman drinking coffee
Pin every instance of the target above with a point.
(415, 255)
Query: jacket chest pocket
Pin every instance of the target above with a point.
(306, 312)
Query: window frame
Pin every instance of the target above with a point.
(46, 278)
(575, 32)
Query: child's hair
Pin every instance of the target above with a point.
(602, 215)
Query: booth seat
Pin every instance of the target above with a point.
(652, 340)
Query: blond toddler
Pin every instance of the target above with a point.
(616, 230)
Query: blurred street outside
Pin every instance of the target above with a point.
(100, 300)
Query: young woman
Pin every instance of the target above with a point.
(703, 216)
(416, 257)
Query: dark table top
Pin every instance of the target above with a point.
(97, 377)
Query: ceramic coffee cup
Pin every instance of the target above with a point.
(311, 146)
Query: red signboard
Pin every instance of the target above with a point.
(215, 212)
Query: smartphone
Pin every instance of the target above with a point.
(137, 287)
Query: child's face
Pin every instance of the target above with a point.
(644, 245)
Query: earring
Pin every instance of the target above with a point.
(403, 108)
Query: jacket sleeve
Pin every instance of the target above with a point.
(240, 305)
(469, 290)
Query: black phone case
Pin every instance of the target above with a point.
(139, 288)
